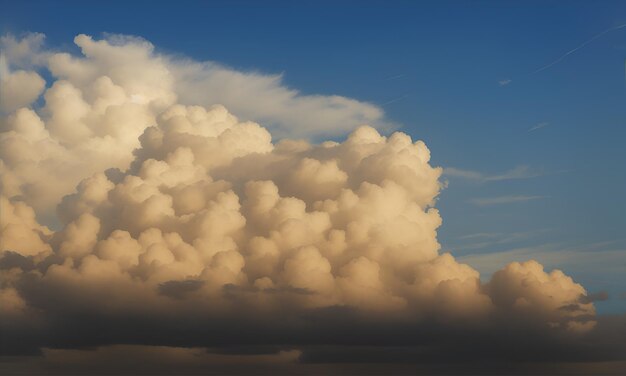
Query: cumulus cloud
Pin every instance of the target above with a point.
(19, 89)
(102, 100)
(184, 221)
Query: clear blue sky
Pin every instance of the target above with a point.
(435, 68)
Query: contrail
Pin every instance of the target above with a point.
(507, 81)
(577, 48)
(395, 99)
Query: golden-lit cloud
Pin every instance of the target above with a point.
(175, 211)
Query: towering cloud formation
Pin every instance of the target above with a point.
(102, 101)
(171, 212)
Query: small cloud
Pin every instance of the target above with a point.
(485, 201)
(601, 262)
(485, 240)
(464, 174)
(394, 77)
(539, 126)
(480, 235)
(504, 82)
(519, 172)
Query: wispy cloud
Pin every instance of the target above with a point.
(582, 258)
(394, 77)
(486, 201)
(519, 172)
(504, 82)
(484, 240)
(395, 99)
(539, 126)
(464, 174)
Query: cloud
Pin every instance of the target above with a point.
(483, 241)
(394, 77)
(486, 201)
(519, 172)
(157, 360)
(266, 99)
(394, 100)
(592, 356)
(579, 258)
(25, 52)
(504, 82)
(185, 226)
(19, 89)
(101, 100)
(465, 174)
(539, 126)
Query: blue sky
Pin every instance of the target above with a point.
(555, 193)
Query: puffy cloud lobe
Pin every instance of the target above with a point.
(93, 115)
(180, 210)
(26, 51)
(19, 89)
(20, 230)
(102, 100)
(526, 287)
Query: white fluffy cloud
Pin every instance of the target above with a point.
(208, 211)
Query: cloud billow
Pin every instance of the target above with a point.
(181, 224)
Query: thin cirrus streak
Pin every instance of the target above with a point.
(505, 82)
(538, 126)
(519, 172)
(577, 48)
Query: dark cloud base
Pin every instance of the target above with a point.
(329, 341)
(147, 365)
